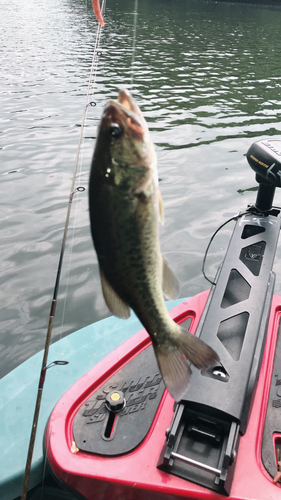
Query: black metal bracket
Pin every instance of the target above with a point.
(117, 417)
(211, 443)
(203, 438)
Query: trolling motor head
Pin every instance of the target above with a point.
(265, 159)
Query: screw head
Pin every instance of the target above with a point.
(115, 401)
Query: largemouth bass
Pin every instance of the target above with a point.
(125, 207)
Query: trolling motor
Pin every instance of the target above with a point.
(203, 438)
(265, 159)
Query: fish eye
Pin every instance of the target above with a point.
(115, 130)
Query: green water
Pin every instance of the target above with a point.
(207, 78)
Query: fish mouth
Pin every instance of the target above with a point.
(128, 101)
(126, 107)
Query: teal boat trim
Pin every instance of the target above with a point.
(82, 349)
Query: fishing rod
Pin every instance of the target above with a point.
(44, 366)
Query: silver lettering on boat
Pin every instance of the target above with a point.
(138, 393)
(273, 148)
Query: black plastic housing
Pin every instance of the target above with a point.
(264, 157)
(235, 319)
(203, 439)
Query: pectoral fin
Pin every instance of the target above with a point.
(161, 207)
(116, 305)
(170, 284)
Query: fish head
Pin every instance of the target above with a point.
(124, 151)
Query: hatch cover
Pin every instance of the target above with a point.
(99, 430)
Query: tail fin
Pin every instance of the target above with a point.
(173, 361)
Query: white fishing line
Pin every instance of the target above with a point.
(80, 155)
(81, 144)
(92, 79)
(134, 43)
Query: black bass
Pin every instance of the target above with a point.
(125, 207)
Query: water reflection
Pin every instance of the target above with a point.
(207, 78)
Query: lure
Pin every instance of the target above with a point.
(97, 11)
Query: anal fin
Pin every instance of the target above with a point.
(174, 356)
(170, 284)
(175, 370)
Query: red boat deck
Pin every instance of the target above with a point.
(134, 475)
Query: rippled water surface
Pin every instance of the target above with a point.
(207, 78)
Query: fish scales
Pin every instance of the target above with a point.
(132, 265)
(125, 206)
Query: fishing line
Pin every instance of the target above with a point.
(92, 82)
(235, 218)
(56, 287)
(134, 42)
